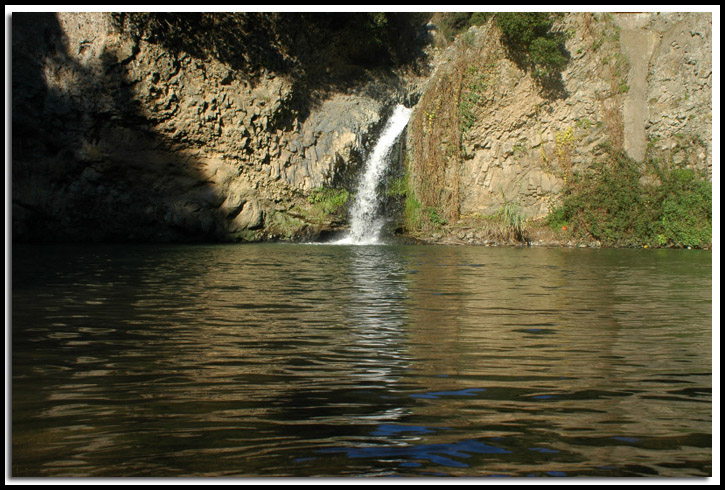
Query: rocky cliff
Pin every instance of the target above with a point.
(485, 133)
(193, 127)
(225, 127)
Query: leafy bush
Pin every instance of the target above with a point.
(453, 23)
(557, 219)
(623, 203)
(532, 44)
(612, 202)
(520, 29)
(434, 218)
(479, 18)
(686, 209)
(330, 201)
(397, 187)
(546, 57)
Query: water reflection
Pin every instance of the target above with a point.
(548, 326)
(376, 310)
(328, 361)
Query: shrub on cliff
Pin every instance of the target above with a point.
(686, 214)
(528, 36)
(329, 201)
(532, 44)
(453, 23)
(624, 203)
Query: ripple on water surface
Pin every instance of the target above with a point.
(282, 360)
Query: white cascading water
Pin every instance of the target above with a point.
(365, 223)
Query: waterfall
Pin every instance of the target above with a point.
(365, 222)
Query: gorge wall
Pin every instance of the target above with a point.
(187, 128)
(120, 134)
(485, 133)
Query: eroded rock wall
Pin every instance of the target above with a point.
(485, 133)
(679, 88)
(117, 137)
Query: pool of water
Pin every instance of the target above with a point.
(333, 361)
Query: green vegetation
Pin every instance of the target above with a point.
(434, 218)
(686, 217)
(416, 217)
(528, 37)
(397, 187)
(471, 96)
(623, 203)
(324, 206)
(283, 225)
(329, 201)
(454, 23)
(513, 220)
(412, 215)
(507, 225)
(557, 218)
(533, 45)
(465, 113)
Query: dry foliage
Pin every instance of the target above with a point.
(604, 35)
(437, 127)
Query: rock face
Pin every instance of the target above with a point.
(118, 137)
(679, 88)
(119, 134)
(484, 133)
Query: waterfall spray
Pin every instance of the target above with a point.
(365, 222)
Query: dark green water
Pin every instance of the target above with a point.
(314, 360)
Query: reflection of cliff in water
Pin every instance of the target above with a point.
(527, 326)
(246, 359)
(333, 330)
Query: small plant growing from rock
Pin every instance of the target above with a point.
(329, 201)
(513, 220)
(565, 141)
